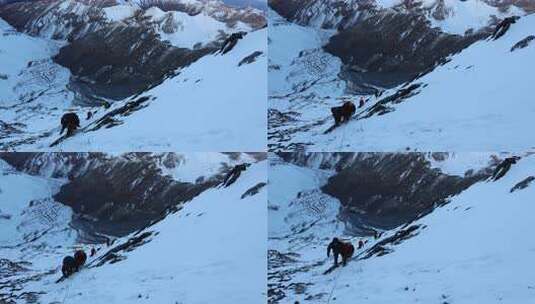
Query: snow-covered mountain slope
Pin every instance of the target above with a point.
(216, 104)
(469, 250)
(192, 255)
(451, 16)
(463, 104)
(186, 95)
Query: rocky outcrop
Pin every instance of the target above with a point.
(113, 195)
(385, 190)
(62, 20)
(390, 48)
(215, 9)
(381, 47)
(119, 61)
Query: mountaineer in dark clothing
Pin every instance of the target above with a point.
(79, 258)
(361, 244)
(231, 42)
(503, 167)
(69, 266)
(71, 122)
(343, 113)
(234, 174)
(503, 27)
(362, 102)
(338, 247)
(93, 251)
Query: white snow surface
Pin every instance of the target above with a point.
(480, 101)
(213, 250)
(212, 105)
(470, 251)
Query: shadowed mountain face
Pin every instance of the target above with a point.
(118, 55)
(125, 197)
(399, 49)
(378, 47)
(113, 195)
(385, 190)
(114, 60)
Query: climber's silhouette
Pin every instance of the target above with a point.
(343, 113)
(344, 249)
(503, 27)
(71, 122)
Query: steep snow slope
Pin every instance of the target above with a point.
(194, 110)
(480, 100)
(467, 251)
(299, 71)
(193, 255)
(215, 104)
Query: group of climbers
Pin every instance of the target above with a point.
(72, 264)
(345, 250)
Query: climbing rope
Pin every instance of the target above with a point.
(66, 292)
(334, 286)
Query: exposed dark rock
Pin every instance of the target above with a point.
(379, 47)
(113, 118)
(384, 190)
(523, 43)
(383, 247)
(523, 184)
(114, 255)
(113, 62)
(384, 106)
(253, 190)
(251, 58)
(126, 196)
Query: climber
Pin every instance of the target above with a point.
(362, 102)
(231, 42)
(93, 251)
(343, 113)
(361, 244)
(89, 115)
(503, 167)
(69, 266)
(503, 27)
(71, 122)
(79, 258)
(340, 248)
(233, 174)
